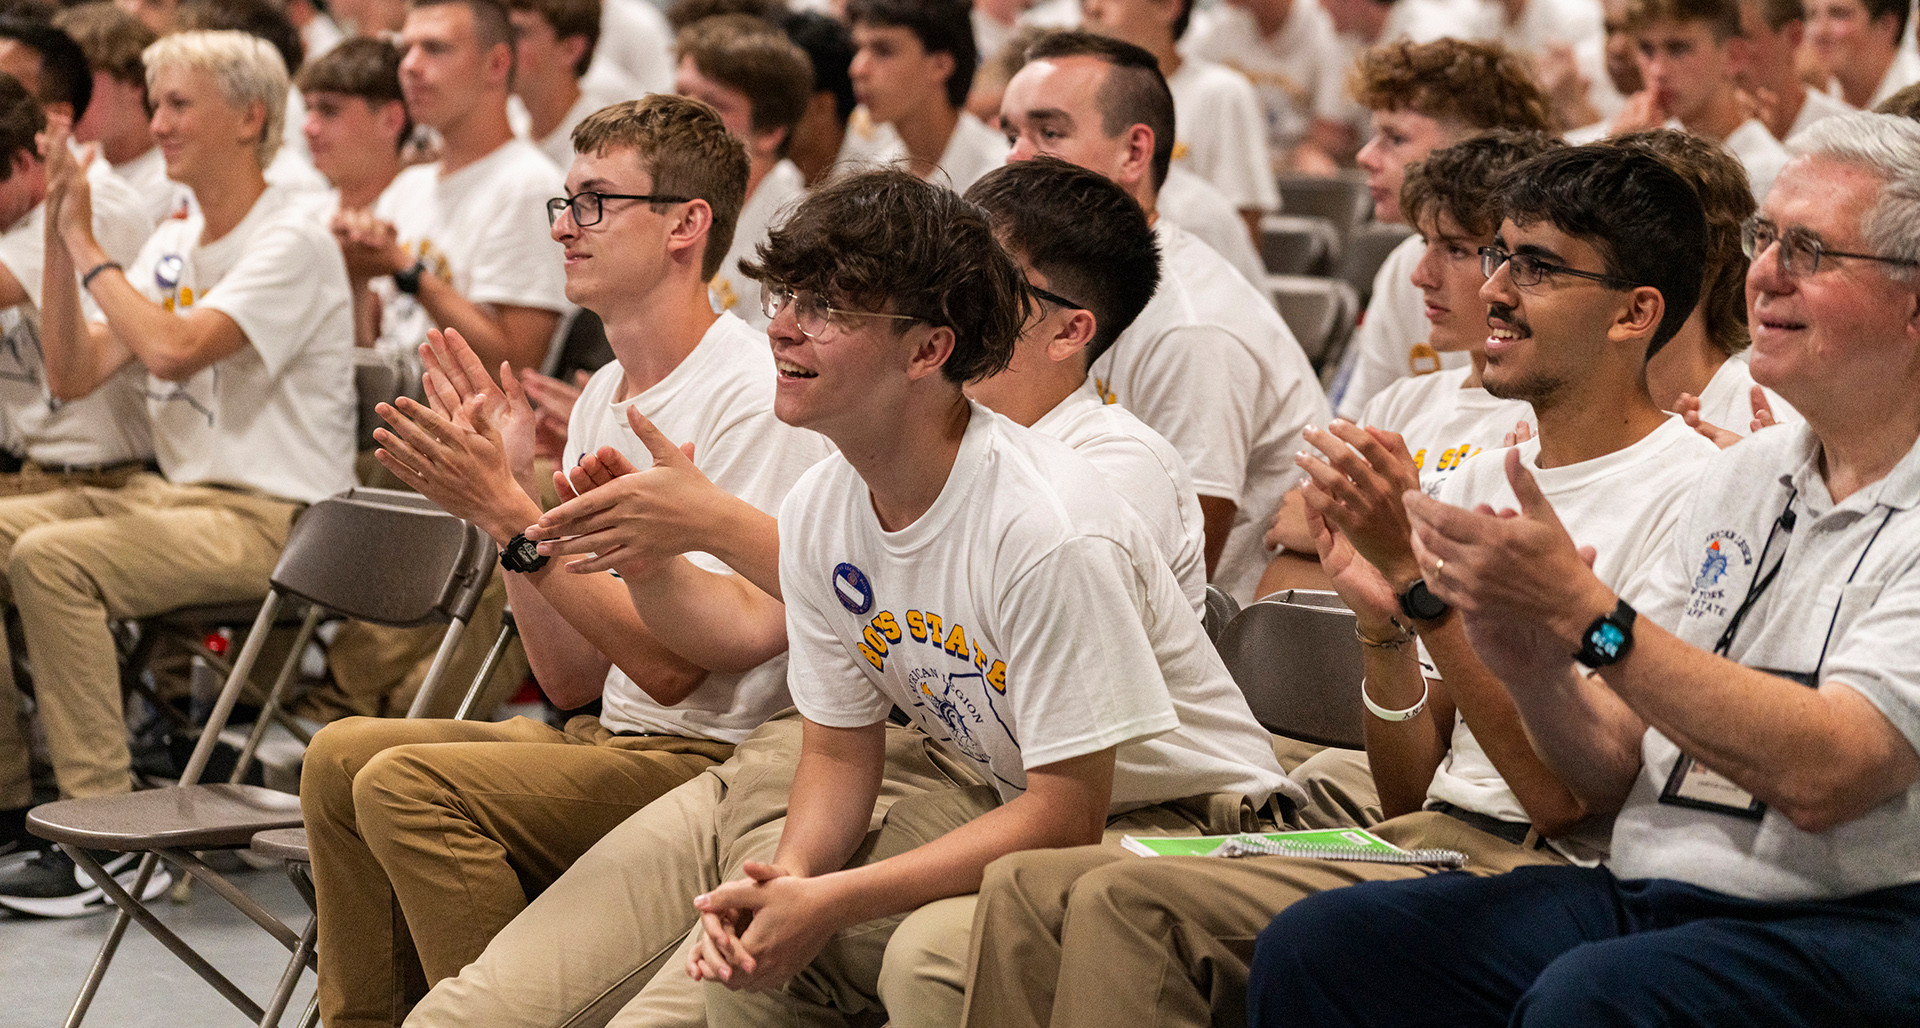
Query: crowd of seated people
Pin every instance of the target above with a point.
(864, 584)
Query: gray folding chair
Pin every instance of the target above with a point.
(1220, 609)
(1292, 244)
(1342, 199)
(1366, 249)
(1320, 311)
(374, 554)
(1298, 663)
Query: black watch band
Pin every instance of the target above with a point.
(522, 555)
(407, 279)
(1419, 603)
(1609, 637)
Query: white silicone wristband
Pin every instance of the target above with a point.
(1394, 715)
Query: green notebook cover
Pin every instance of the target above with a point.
(1359, 842)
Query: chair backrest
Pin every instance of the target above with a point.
(386, 556)
(1309, 598)
(1365, 251)
(1298, 245)
(379, 377)
(582, 345)
(1299, 666)
(1219, 610)
(1342, 199)
(1320, 311)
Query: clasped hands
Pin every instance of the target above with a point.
(760, 930)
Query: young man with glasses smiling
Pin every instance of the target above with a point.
(1754, 724)
(456, 824)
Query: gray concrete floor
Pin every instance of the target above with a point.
(43, 962)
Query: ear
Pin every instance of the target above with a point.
(1639, 316)
(393, 117)
(574, 47)
(930, 353)
(1137, 167)
(688, 237)
(941, 69)
(255, 121)
(1072, 336)
(500, 63)
(769, 142)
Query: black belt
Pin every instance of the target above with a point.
(92, 469)
(11, 463)
(1515, 832)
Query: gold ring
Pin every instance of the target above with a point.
(1438, 566)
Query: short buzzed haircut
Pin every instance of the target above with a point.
(569, 18)
(682, 13)
(1721, 16)
(1778, 14)
(65, 75)
(753, 58)
(941, 26)
(1084, 233)
(830, 50)
(1645, 221)
(111, 38)
(21, 122)
(1135, 92)
(1726, 197)
(687, 151)
(1478, 86)
(1461, 182)
(491, 26)
(365, 67)
(887, 241)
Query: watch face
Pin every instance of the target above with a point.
(525, 551)
(1420, 603)
(1605, 639)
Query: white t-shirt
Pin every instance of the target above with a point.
(558, 144)
(160, 196)
(1196, 205)
(1220, 133)
(1026, 618)
(768, 204)
(1541, 24)
(108, 425)
(1209, 365)
(1442, 422)
(1903, 72)
(482, 228)
(1849, 582)
(1395, 323)
(1298, 71)
(1727, 401)
(1759, 153)
(278, 415)
(720, 399)
(1146, 471)
(972, 150)
(1817, 106)
(1627, 506)
(635, 54)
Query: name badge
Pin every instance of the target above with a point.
(1693, 784)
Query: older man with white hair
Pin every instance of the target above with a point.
(1755, 725)
(240, 317)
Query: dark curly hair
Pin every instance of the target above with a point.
(1462, 181)
(887, 241)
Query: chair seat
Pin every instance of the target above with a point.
(195, 817)
(282, 844)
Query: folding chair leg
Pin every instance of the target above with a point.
(290, 978)
(310, 1019)
(234, 895)
(472, 699)
(130, 907)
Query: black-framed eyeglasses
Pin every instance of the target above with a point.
(1055, 298)
(1800, 250)
(811, 313)
(1527, 270)
(590, 207)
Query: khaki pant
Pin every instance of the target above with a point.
(607, 941)
(1098, 936)
(77, 559)
(428, 836)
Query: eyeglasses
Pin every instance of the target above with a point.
(1800, 250)
(811, 313)
(1526, 270)
(1055, 298)
(589, 208)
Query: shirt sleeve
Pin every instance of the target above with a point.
(1202, 396)
(282, 291)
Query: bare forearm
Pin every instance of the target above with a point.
(77, 356)
(483, 327)
(1217, 515)
(831, 803)
(748, 540)
(1403, 754)
(720, 622)
(601, 616)
(1584, 734)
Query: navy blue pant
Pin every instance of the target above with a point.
(1554, 946)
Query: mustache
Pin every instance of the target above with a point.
(1506, 313)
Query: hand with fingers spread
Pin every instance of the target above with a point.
(1762, 409)
(1688, 407)
(454, 375)
(552, 402)
(1360, 585)
(1522, 431)
(1356, 487)
(1527, 591)
(762, 929)
(628, 517)
(69, 197)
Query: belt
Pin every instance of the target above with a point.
(1515, 832)
(11, 463)
(91, 469)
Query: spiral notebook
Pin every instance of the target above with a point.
(1321, 844)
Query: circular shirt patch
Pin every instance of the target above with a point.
(851, 586)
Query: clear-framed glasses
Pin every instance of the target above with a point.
(1800, 250)
(811, 313)
(1526, 270)
(590, 207)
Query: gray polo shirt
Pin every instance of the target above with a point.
(1848, 582)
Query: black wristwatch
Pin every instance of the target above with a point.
(522, 555)
(1608, 638)
(407, 279)
(1419, 603)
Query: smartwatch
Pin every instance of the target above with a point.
(1608, 638)
(522, 555)
(1419, 603)
(407, 279)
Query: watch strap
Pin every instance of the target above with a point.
(1609, 637)
(407, 279)
(522, 555)
(1419, 603)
